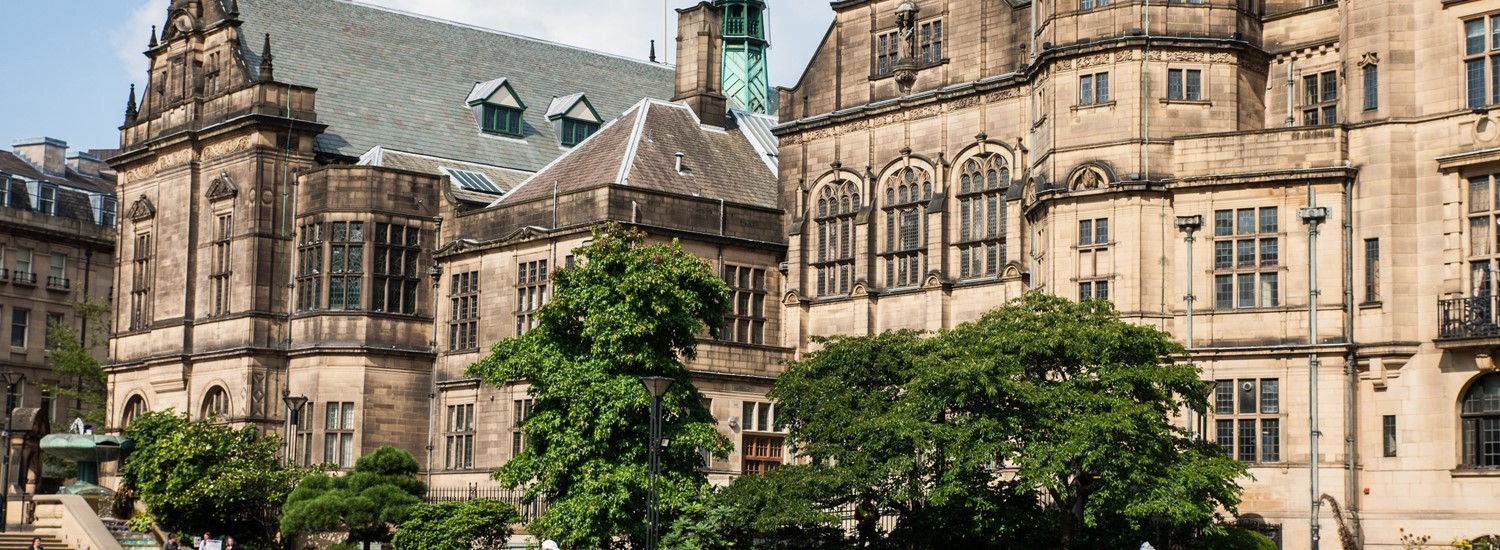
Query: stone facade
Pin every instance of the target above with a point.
(1219, 122)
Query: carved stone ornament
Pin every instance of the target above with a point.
(221, 188)
(141, 209)
(1087, 179)
(1369, 58)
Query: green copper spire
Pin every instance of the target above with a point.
(746, 82)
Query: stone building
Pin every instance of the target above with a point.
(1300, 191)
(336, 208)
(57, 232)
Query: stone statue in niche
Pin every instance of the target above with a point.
(905, 70)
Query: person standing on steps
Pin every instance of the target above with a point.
(36, 543)
(171, 543)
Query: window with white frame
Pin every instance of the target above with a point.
(459, 436)
(838, 203)
(1482, 61)
(57, 272)
(1484, 219)
(23, 271)
(1093, 89)
(338, 434)
(1247, 258)
(1247, 418)
(982, 184)
(531, 293)
(906, 194)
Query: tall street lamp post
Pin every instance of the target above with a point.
(657, 387)
(294, 404)
(11, 379)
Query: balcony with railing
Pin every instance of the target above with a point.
(1473, 317)
(57, 283)
(24, 277)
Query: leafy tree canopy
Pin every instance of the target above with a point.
(71, 356)
(1044, 423)
(478, 523)
(195, 476)
(627, 310)
(367, 503)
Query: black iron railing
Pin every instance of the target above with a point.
(515, 497)
(1468, 317)
(24, 277)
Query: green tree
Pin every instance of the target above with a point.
(71, 356)
(195, 476)
(478, 523)
(963, 434)
(627, 310)
(367, 503)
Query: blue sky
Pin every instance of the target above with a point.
(70, 63)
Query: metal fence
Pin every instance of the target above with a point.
(847, 521)
(515, 497)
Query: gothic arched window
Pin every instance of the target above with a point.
(134, 407)
(836, 206)
(216, 403)
(1481, 423)
(982, 183)
(906, 226)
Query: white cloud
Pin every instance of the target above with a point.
(131, 36)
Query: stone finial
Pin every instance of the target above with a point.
(153, 42)
(130, 111)
(266, 68)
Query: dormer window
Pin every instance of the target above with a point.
(498, 109)
(501, 120)
(574, 118)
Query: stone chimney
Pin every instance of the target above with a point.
(699, 75)
(47, 154)
(87, 164)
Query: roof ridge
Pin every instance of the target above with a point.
(631, 143)
(566, 155)
(500, 32)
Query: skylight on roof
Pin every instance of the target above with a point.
(473, 181)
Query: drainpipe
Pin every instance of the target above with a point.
(1312, 215)
(1290, 90)
(1146, 97)
(1190, 224)
(1350, 371)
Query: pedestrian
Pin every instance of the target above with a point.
(550, 544)
(171, 543)
(36, 543)
(229, 544)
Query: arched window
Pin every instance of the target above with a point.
(216, 403)
(906, 192)
(982, 183)
(1481, 423)
(837, 204)
(133, 409)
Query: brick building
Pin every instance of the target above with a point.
(941, 156)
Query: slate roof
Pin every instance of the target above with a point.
(639, 150)
(400, 80)
(14, 165)
(505, 178)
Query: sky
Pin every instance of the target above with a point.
(70, 63)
